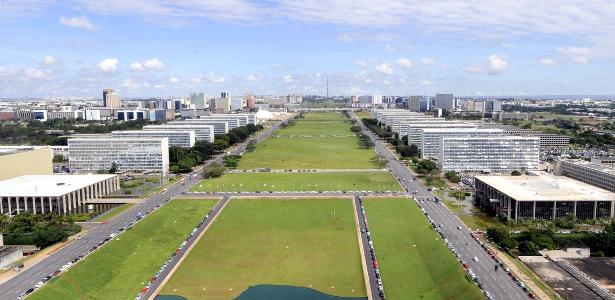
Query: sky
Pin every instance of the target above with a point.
(143, 48)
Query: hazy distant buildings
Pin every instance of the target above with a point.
(111, 99)
(199, 100)
(445, 101)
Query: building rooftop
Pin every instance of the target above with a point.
(5, 150)
(47, 185)
(546, 188)
(593, 166)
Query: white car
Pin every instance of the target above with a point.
(38, 284)
(475, 258)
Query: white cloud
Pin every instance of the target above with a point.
(108, 65)
(547, 61)
(426, 82)
(427, 61)
(389, 48)
(254, 77)
(130, 83)
(496, 65)
(196, 80)
(578, 55)
(78, 22)
(361, 63)
(150, 64)
(49, 60)
(34, 73)
(173, 79)
(287, 79)
(404, 63)
(346, 38)
(384, 68)
(473, 69)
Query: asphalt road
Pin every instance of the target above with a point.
(25, 280)
(369, 264)
(497, 283)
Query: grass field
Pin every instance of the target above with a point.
(317, 141)
(326, 181)
(363, 114)
(119, 269)
(425, 271)
(307, 242)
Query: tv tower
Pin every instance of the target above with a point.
(327, 87)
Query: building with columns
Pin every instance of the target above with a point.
(542, 197)
(62, 194)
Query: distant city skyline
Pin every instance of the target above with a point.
(166, 47)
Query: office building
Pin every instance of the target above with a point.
(62, 194)
(430, 138)
(500, 154)
(90, 155)
(132, 115)
(220, 127)
(202, 132)
(220, 105)
(111, 99)
(413, 130)
(542, 197)
(237, 104)
(607, 161)
(414, 104)
(242, 120)
(199, 100)
(492, 106)
(249, 101)
(25, 160)
(503, 116)
(588, 172)
(224, 95)
(179, 138)
(445, 101)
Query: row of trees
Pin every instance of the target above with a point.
(41, 230)
(534, 240)
(401, 144)
(182, 160)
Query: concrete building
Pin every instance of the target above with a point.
(237, 104)
(220, 127)
(202, 132)
(542, 197)
(220, 105)
(90, 155)
(430, 138)
(413, 130)
(445, 101)
(607, 161)
(25, 160)
(199, 100)
(132, 115)
(53, 115)
(492, 105)
(62, 194)
(502, 116)
(241, 120)
(588, 172)
(489, 154)
(111, 99)
(179, 138)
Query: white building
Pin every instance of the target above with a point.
(490, 154)
(202, 132)
(592, 173)
(414, 130)
(63, 194)
(179, 138)
(237, 103)
(90, 155)
(243, 119)
(220, 127)
(430, 138)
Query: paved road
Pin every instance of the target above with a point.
(191, 240)
(375, 293)
(25, 280)
(497, 283)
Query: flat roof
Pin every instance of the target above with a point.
(5, 150)
(462, 129)
(591, 165)
(546, 188)
(48, 185)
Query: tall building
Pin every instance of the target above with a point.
(415, 103)
(445, 101)
(237, 103)
(492, 106)
(490, 154)
(224, 95)
(430, 138)
(90, 155)
(249, 101)
(111, 99)
(199, 100)
(220, 105)
(179, 138)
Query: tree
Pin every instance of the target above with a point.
(113, 168)
(213, 170)
(452, 176)
(57, 158)
(515, 173)
(425, 167)
(528, 248)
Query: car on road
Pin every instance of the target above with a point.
(475, 259)
(459, 227)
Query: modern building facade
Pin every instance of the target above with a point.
(234, 120)
(542, 197)
(130, 154)
(62, 194)
(202, 132)
(111, 99)
(199, 100)
(445, 101)
(489, 154)
(430, 138)
(179, 138)
(25, 160)
(220, 127)
(591, 173)
(413, 130)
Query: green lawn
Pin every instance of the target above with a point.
(317, 141)
(363, 114)
(328, 181)
(414, 262)
(121, 267)
(307, 242)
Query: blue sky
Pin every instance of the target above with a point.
(395, 47)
